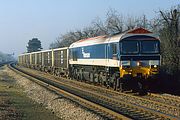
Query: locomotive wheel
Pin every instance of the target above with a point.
(75, 74)
(101, 78)
(121, 88)
(91, 76)
(107, 83)
(115, 84)
(81, 75)
(116, 81)
(142, 90)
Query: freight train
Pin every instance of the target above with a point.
(125, 60)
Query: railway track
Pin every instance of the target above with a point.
(107, 113)
(112, 100)
(166, 99)
(161, 105)
(152, 101)
(164, 104)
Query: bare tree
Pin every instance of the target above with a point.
(142, 22)
(130, 22)
(100, 26)
(114, 22)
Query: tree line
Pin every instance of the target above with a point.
(6, 57)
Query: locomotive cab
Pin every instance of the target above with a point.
(140, 58)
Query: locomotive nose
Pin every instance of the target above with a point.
(138, 68)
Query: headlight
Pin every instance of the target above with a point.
(154, 66)
(138, 63)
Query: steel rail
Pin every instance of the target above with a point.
(119, 104)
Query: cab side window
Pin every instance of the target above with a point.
(114, 51)
(114, 48)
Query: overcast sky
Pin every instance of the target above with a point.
(21, 20)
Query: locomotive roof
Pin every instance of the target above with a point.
(110, 39)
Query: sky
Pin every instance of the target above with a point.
(22, 20)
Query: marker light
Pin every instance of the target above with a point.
(138, 63)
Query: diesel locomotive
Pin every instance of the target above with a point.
(124, 60)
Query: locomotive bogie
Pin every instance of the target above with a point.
(99, 75)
